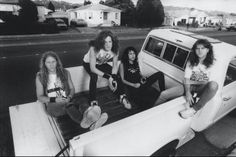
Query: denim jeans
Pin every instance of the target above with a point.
(169, 94)
(106, 68)
(205, 92)
(144, 95)
(73, 109)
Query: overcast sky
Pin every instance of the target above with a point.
(220, 5)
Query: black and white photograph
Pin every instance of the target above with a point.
(118, 78)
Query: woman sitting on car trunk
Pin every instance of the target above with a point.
(198, 77)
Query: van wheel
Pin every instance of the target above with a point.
(167, 150)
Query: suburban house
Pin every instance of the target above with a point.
(176, 16)
(96, 15)
(9, 7)
(182, 16)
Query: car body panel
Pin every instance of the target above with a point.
(169, 126)
(78, 22)
(130, 135)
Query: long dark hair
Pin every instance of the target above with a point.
(125, 56)
(99, 41)
(194, 59)
(60, 71)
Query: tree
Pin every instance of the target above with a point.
(51, 6)
(28, 12)
(149, 13)
(128, 10)
(87, 2)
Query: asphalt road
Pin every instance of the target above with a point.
(19, 58)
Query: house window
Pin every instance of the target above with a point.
(183, 20)
(105, 15)
(76, 16)
(116, 16)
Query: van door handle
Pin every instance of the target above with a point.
(227, 98)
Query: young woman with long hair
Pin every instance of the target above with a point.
(55, 89)
(198, 77)
(138, 86)
(103, 49)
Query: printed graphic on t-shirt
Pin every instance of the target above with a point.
(199, 76)
(133, 70)
(55, 88)
(103, 58)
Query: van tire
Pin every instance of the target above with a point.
(167, 150)
(233, 113)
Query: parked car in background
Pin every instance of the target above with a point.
(60, 24)
(78, 23)
(231, 27)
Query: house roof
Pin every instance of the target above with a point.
(98, 7)
(9, 1)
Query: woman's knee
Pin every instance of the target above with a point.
(159, 74)
(212, 86)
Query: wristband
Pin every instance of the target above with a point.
(114, 76)
(52, 99)
(105, 75)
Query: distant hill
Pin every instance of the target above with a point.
(58, 4)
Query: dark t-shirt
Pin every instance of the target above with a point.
(132, 73)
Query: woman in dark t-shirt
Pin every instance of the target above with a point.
(139, 87)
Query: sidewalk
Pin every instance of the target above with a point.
(95, 30)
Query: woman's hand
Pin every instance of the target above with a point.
(112, 84)
(136, 85)
(61, 100)
(143, 80)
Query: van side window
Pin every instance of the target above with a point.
(169, 52)
(181, 58)
(231, 73)
(154, 46)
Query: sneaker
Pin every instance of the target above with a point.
(103, 118)
(125, 102)
(90, 116)
(93, 103)
(187, 113)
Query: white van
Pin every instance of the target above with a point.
(156, 131)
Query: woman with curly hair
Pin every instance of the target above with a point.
(139, 86)
(55, 89)
(103, 49)
(198, 77)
